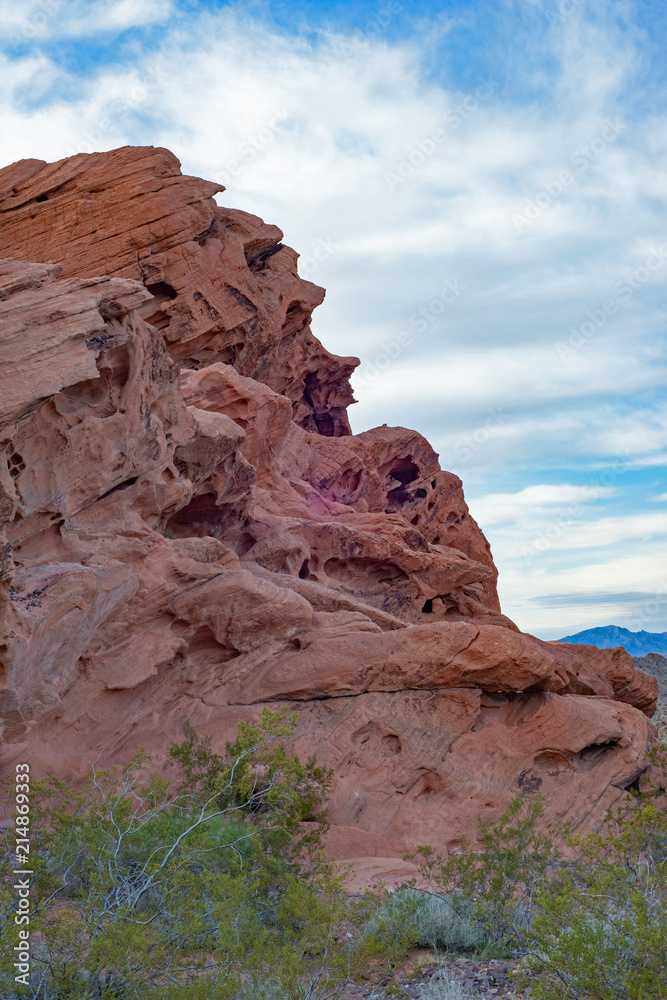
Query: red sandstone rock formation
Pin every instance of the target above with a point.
(189, 531)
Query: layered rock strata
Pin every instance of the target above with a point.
(189, 531)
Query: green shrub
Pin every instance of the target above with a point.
(494, 886)
(198, 887)
(591, 924)
(600, 929)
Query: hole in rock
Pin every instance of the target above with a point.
(325, 424)
(245, 543)
(597, 751)
(258, 262)
(213, 232)
(42, 197)
(392, 743)
(428, 607)
(16, 465)
(436, 540)
(633, 786)
(91, 392)
(121, 486)
(428, 783)
(305, 570)
(151, 312)
(205, 650)
(161, 290)
(202, 516)
(420, 493)
(433, 484)
(373, 733)
(405, 471)
(415, 519)
(229, 354)
(397, 497)
(297, 318)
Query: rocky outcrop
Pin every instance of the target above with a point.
(656, 665)
(224, 287)
(190, 531)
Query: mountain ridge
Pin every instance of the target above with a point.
(611, 636)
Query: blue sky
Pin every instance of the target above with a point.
(480, 187)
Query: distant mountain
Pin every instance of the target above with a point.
(636, 643)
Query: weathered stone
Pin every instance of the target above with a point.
(188, 531)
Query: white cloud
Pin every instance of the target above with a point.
(529, 375)
(304, 133)
(598, 592)
(499, 508)
(37, 20)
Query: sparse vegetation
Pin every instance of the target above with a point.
(590, 921)
(205, 886)
(600, 926)
(202, 886)
(441, 986)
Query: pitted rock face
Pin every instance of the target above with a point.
(189, 531)
(224, 286)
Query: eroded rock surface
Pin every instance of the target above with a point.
(190, 532)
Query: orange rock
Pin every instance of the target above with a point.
(188, 531)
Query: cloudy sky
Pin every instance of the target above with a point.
(481, 188)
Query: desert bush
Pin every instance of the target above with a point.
(589, 914)
(441, 986)
(437, 922)
(198, 886)
(493, 885)
(600, 928)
